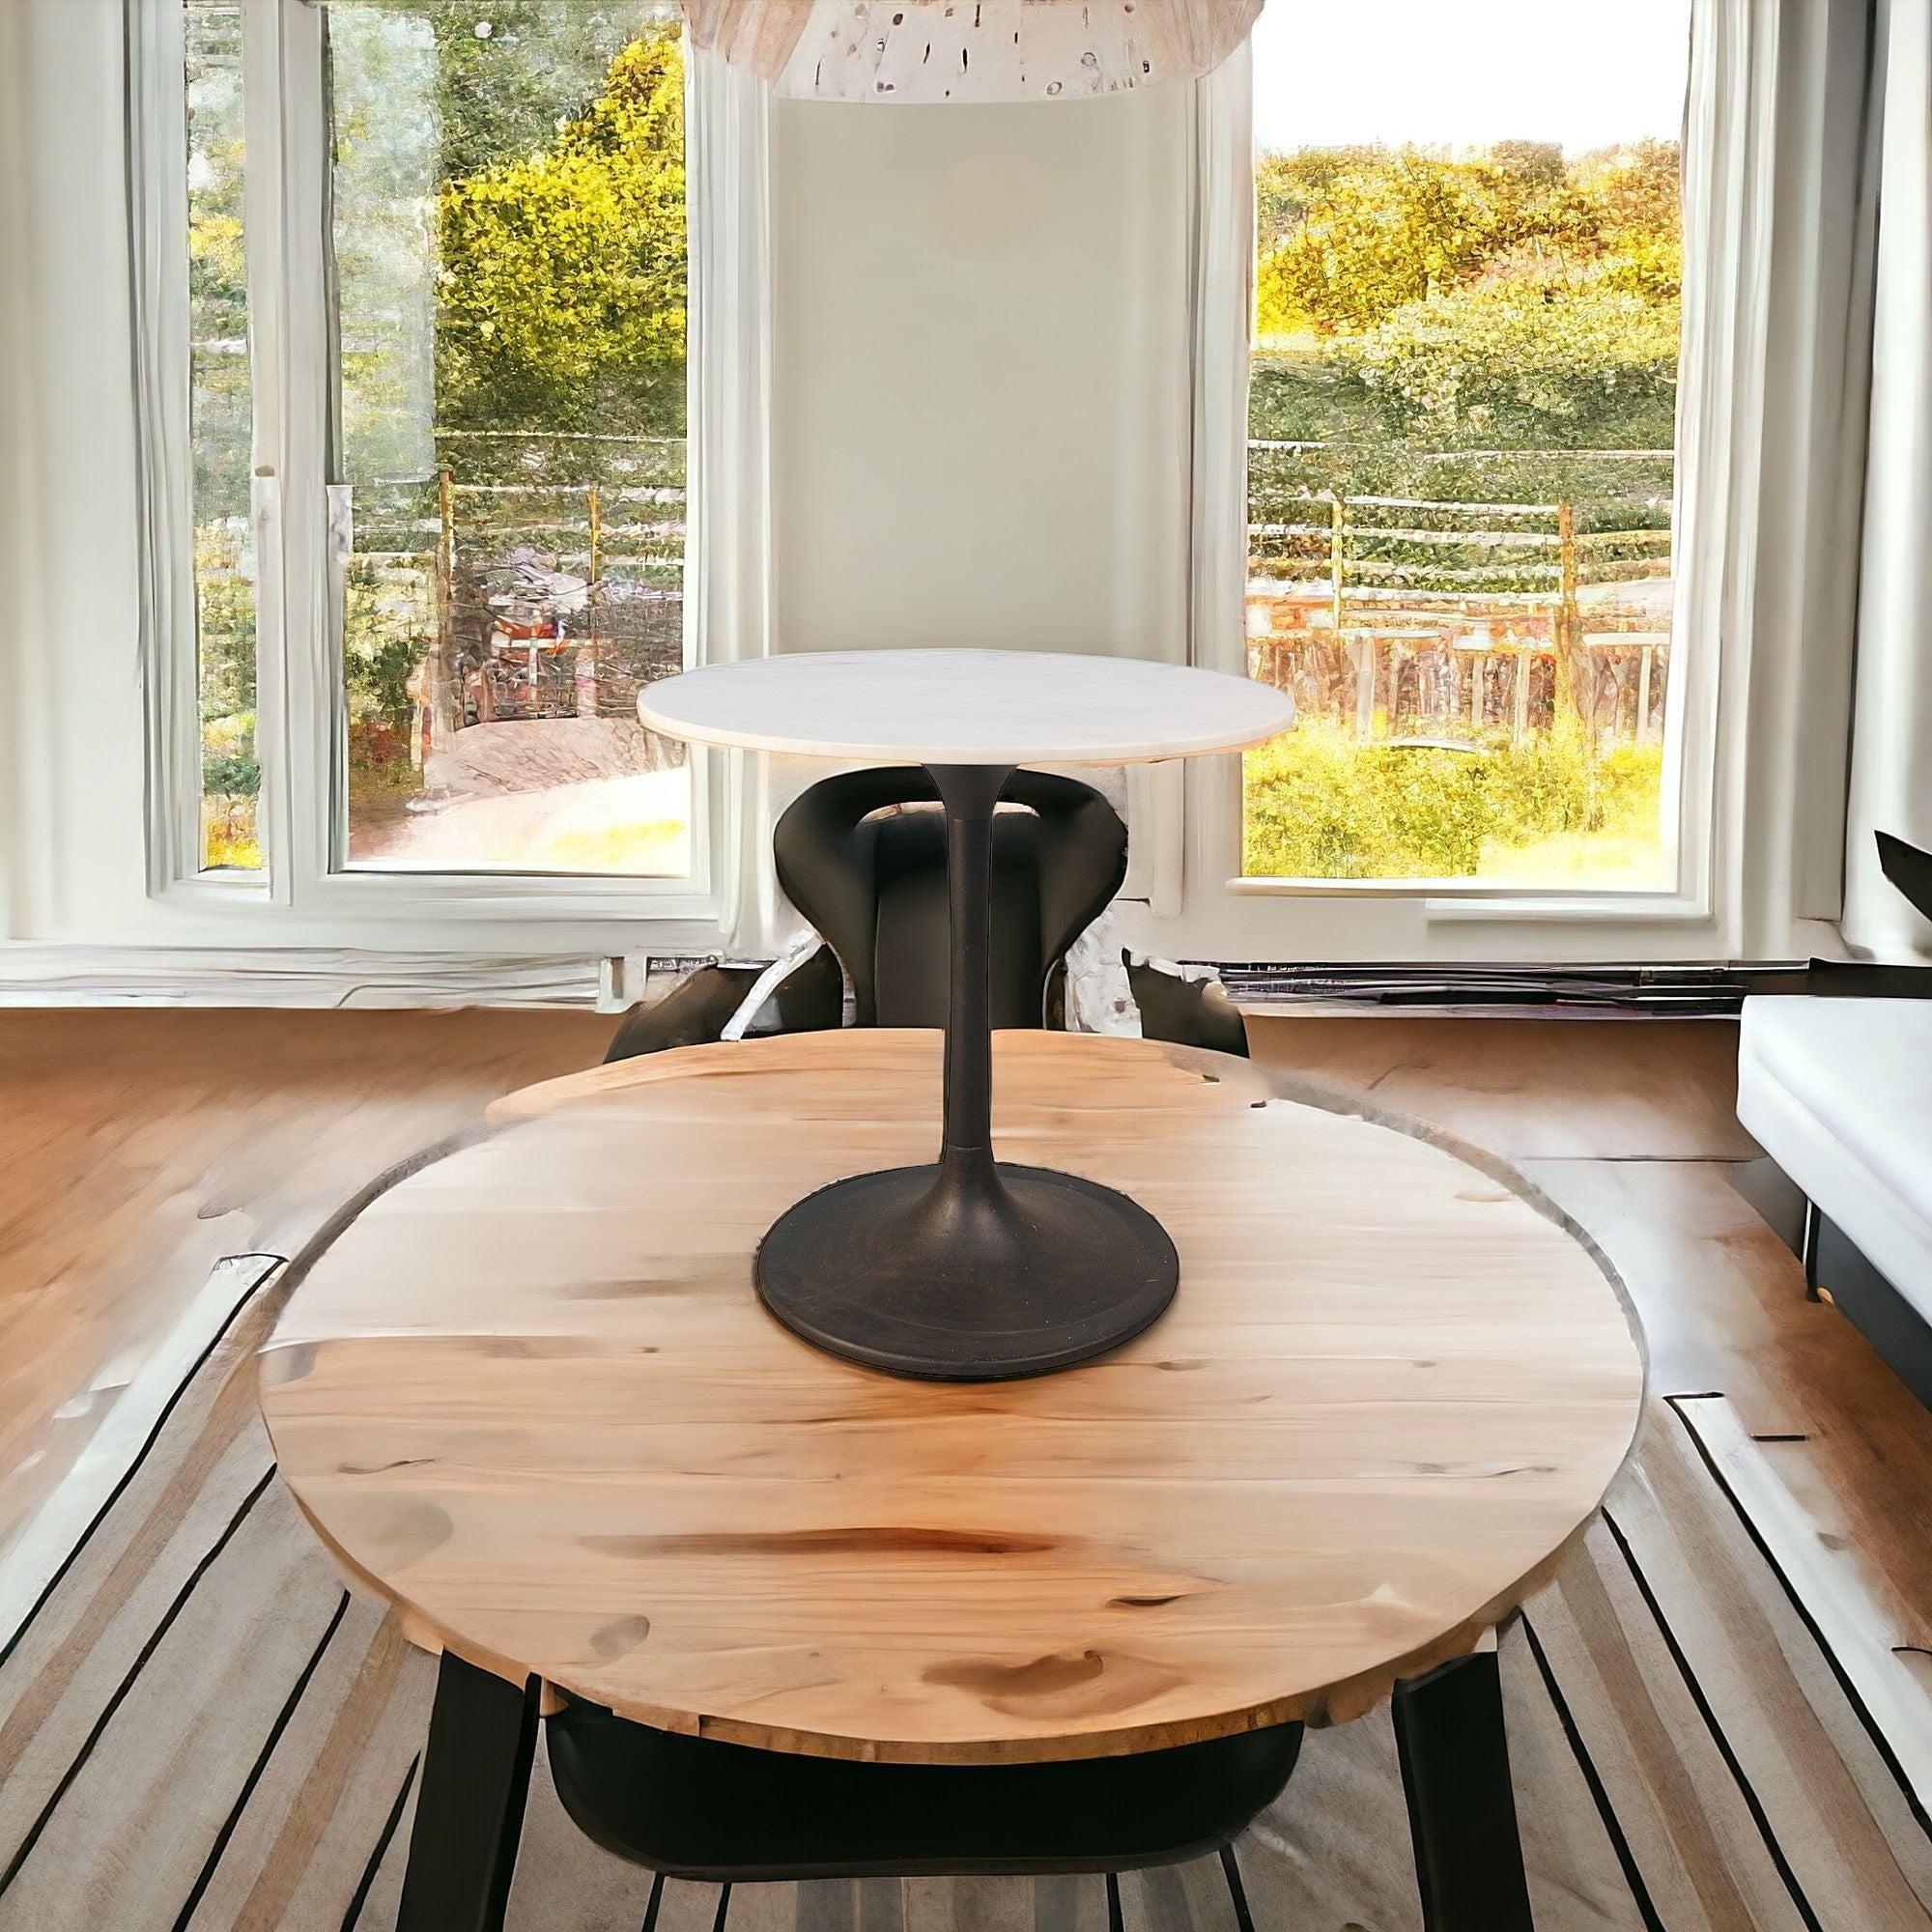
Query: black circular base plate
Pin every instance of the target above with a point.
(999, 1273)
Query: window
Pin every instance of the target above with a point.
(508, 241)
(445, 397)
(220, 435)
(1460, 463)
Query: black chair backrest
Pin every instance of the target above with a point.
(873, 880)
(1909, 869)
(1190, 1012)
(697, 1011)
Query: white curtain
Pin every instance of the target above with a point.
(1771, 438)
(727, 602)
(1891, 728)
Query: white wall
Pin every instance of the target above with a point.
(981, 374)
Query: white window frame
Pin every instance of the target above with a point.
(301, 542)
(1765, 540)
(1749, 151)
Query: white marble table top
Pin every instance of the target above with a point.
(963, 707)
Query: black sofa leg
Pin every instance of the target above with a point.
(469, 1811)
(1461, 1812)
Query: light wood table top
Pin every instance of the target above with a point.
(961, 707)
(528, 1395)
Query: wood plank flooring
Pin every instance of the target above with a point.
(1597, 1090)
(1629, 1126)
(137, 1147)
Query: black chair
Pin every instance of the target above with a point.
(1189, 1013)
(866, 863)
(723, 1813)
(726, 1814)
(1910, 870)
(698, 1809)
(697, 1011)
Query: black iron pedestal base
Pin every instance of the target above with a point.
(968, 1273)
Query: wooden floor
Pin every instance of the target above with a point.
(1630, 1126)
(138, 1147)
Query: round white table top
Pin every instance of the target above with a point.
(961, 707)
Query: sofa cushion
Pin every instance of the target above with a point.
(1839, 1093)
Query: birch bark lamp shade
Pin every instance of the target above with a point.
(970, 50)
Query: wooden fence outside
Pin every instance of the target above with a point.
(1442, 617)
(449, 544)
(1399, 612)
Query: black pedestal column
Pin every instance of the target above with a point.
(969, 1269)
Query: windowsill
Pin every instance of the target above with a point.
(228, 882)
(1623, 908)
(226, 891)
(526, 897)
(1450, 901)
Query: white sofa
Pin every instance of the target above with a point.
(1838, 1092)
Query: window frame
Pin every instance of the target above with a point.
(158, 218)
(1231, 914)
(299, 533)
(1767, 565)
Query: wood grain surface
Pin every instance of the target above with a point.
(138, 1148)
(530, 1396)
(1548, 1090)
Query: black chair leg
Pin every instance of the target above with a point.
(469, 1812)
(1236, 1891)
(1461, 1812)
(657, 1899)
(1115, 1923)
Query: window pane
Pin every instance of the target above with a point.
(1461, 431)
(509, 255)
(221, 419)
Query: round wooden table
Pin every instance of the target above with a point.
(530, 1397)
(964, 1269)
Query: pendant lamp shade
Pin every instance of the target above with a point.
(970, 50)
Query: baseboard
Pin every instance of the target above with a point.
(63, 975)
(34, 975)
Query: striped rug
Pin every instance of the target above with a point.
(201, 1728)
